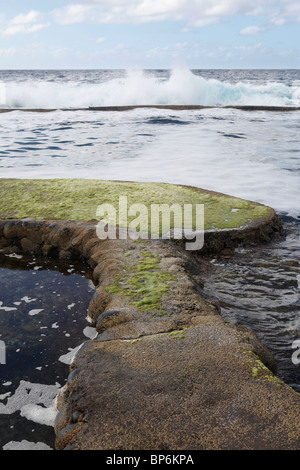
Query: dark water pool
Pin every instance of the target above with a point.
(43, 319)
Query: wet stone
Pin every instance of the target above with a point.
(28, 246)
(66, 434)
(73, 375)
(111, 318)
(76, 416)
(11, 230)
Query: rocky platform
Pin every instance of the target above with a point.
(165, 371)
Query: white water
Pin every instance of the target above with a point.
(35, 402)
(140, 88)
(252, 155)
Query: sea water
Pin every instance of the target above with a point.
(43, 321)
(253, 154)
(250, 154)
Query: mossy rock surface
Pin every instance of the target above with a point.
(78, 199)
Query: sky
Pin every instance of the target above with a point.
(149, 34)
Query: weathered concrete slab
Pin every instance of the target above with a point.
(189, 389)
(165, 371)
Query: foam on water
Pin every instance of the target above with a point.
(34, 342)
(35, 402)
(138, 87)
(254, 167)
(26, 445)
(252, 155)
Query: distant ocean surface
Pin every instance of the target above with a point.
(250, 154)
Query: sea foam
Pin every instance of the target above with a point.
(137, 87)
(35, 402)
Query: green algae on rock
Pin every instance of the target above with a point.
(144, 282)
(78, 199)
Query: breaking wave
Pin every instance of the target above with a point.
(137, 87)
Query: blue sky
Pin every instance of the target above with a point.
(72, 34)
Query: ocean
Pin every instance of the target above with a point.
(253, 155)
(51, 127)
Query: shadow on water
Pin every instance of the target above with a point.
(43, 317)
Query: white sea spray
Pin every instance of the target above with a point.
(137, 87)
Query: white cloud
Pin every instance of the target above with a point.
(206, 52)
(251, 30)
(204, 21)
(225, 7)
(7, 52)
(135, 11)
(100, 40)
(25, 24)
(31, 17)
(291, 8)
(121, 46)
(174, 50)
(22, 29)
(288, 13)
(156, 8)
(278, 21)
(72, 14)
(157, 52)
(60, 52)
(194, 13)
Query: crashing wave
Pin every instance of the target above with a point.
(138, 87)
